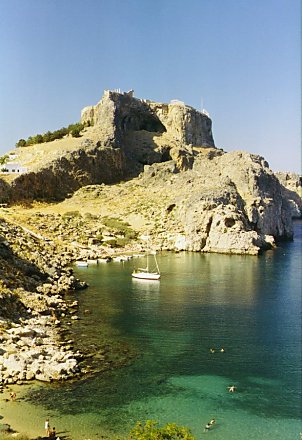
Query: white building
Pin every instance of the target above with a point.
(12, 168)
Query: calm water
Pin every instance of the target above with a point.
(251, 306)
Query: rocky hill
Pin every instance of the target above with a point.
(226, 202)
(125, 134)
(189, 194)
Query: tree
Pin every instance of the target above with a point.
(38, 139)
(21, 143)
(76, 132)
(47, 136)
(151, 431)
(3, 159)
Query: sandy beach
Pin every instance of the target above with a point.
(22, 416)
(27, 418)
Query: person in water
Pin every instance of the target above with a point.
(232, 389)
(209, 425)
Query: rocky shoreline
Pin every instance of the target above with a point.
(33, 282)
(33, 349)
(36, 307)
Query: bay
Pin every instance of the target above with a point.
(249, 306)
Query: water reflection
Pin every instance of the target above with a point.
(145, 289)
(248, 305)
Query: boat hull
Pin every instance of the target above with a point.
(146, 275)
(82, 263)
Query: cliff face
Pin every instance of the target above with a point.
(63, 176)
(229, 203)
(291, 184)
(127, 134)
(118, 113)
(185, 124)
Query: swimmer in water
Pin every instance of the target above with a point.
(232, 389)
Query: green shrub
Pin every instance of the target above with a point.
(3, 159)
(121, 242)
(73, 129)
(111, 242)
(71, 214)
(119, 226)
(75, 132)
(151, 431)
(90, 216)
(21, 143)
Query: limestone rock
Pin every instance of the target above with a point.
(127, 133)
(292, 191)
(118, 113)
(230, 203)
(184, 123)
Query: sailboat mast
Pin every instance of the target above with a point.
(156, 263)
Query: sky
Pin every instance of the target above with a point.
(238, 59)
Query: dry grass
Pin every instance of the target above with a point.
(131, 202)
(7, 436)
(40, 154)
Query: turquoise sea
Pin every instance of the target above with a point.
(250, 306)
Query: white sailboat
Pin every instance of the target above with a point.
(147, 273)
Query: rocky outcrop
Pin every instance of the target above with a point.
(118, 113)
(32, 350)
(185, 124)
(223, 202)
(126, 134)
(92, 163)
(33, 283)
(292, 192)
(236, 206)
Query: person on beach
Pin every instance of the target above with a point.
(13, 395)
(47, 428)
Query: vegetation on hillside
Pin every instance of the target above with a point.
(49, 136)
(119, 226)
(9, 435)
(3, 159)
(151, 431)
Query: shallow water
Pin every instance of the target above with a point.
(250, 306)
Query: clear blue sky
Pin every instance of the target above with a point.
(241, 57)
